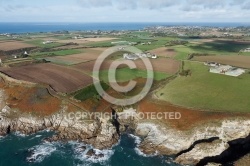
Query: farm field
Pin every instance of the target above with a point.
(167, 65)
(39, 43)
(208, 91)
(164, 65)
(85, 40)
(209, 46)
(88, 54)
(127, 74)
(57, 53)
(14, 45)
(164, 52)
(89, 66)
(238, 61)
(60, 78)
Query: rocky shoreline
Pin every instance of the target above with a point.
(190, 147)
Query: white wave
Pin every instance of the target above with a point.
(140, 153)
(37, 136)
(101, 156)
(19, 134)
(137, 150)
(40, 152)
(137, 139)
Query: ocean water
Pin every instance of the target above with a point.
(51, 27)
(18, 150)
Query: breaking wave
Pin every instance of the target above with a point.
(99, 156)
(137, 150)
(40, 152)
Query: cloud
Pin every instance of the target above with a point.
(237, 2)
(246, 6)
(94, 3)
(208, 3)
(129, 4)
(189, 8)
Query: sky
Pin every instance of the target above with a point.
(124, 10)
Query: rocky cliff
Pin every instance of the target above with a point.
(190, 147)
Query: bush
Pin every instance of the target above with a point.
(185, 72)
(176, 42)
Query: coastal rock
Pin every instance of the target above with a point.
(128, 119)
(201, 151)
(92, 153)
(160, 138)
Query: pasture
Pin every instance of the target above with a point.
(208, 91)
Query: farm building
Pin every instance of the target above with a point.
(247, 50)
(212, 64)
(48, 42)
(227, 70)
(139, 55)
(130, 56)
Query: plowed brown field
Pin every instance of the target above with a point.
(14, 45)
(60, 78)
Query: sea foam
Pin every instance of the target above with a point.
(82, 154)
(40, 152)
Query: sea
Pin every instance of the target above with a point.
(22, 27)
(31, 150)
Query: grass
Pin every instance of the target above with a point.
(215, 48)
(157, 43)
(39, 43)
(245, 53)
(126, 74)
(89, 92)
(100, 44)
(57, 53)
(58, 61)
(208, 91)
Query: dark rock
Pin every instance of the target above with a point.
(91, 152)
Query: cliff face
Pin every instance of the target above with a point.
(100, 133)
(170, 142)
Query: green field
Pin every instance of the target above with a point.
(39, 43)
(101, 44)
(156, 43)
(126, 74)
(207, 91)
(89, 92)
(56, 53)
(215, 48)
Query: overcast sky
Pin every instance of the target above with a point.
(124, 10)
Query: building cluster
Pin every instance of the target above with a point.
(135, 56)
(224, 69)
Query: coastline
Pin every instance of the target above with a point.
(154, 138)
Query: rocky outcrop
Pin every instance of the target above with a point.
(100, 132)
(170, 142)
